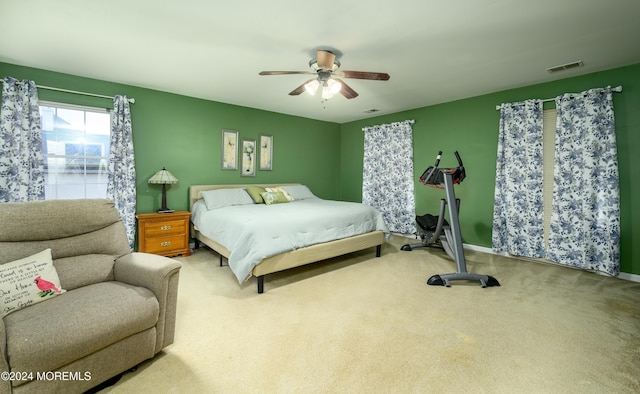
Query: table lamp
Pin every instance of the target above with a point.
(164, 177)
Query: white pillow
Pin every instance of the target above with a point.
(28, 281)
(220, 198)
(299, 192)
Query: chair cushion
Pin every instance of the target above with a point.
(49, 335)
(70, 228)
(84, 270)
(55, 219)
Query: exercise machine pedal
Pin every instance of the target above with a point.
(445, 280)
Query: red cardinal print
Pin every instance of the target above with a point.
(45, 285)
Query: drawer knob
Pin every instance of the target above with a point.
(165, 228)
(165, 243)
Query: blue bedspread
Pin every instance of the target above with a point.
(257, 231)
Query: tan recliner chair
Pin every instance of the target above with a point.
(118, 310)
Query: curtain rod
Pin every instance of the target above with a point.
(617, 89)
(131, 100)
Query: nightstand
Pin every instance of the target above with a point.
(166, 234)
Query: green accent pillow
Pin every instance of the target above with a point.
(255, 193)
(281, 190)
(274, 198)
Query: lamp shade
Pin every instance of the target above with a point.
(163, 177)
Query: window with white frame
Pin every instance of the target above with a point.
(75, 143)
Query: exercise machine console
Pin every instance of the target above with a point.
(435, 231)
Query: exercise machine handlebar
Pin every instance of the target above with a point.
(459, 159)
(434, 176)
(438, 157)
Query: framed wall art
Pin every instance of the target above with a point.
(229, 149)
(248, 158)
(266, 153)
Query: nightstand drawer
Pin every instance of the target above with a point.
(166, 234)
(160, 245)
(163, 228)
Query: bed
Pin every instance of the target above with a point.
(291, 234)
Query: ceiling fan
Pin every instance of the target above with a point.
(326, 67)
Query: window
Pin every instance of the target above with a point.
(75, 142)
(548, 156)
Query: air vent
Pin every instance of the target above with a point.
(370, 111)
(567, 66)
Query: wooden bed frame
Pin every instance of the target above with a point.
(295, 258)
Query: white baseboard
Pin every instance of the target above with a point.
(482, 249)
(631, 277)
(621, 275)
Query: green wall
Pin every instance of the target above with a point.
(184, 135)
(471, 127)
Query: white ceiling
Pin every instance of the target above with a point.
(435, 51)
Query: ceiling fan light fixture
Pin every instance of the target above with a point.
(312, 87)
(330, 88)
(334, 86)
(325, 66)
(326, 93)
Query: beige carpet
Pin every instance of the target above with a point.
(360, 324)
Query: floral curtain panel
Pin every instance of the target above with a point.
(122, 172)
(518, 217)
(585, 218)
(387, 180)
(21, 158)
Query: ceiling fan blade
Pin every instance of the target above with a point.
(325, 59)
(284, 72)
(364, 75)
(346, 90)
(299, 89)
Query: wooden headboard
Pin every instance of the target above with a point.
(195, 190)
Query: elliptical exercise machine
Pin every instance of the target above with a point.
(435, 231)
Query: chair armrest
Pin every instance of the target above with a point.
(145, 270)
(160, 275)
